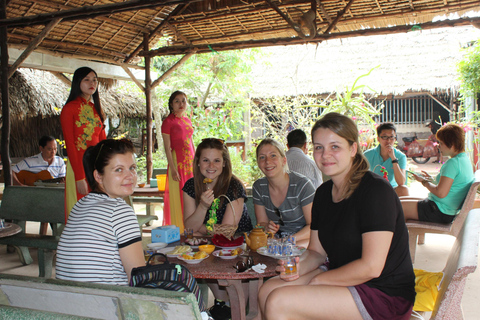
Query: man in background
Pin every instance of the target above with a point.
(46, 160)
(297, 158)
(387, 156)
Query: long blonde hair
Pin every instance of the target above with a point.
(346, 128)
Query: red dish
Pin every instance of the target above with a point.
(222, 241)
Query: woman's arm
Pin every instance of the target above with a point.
(442, 189)
(132, 256)
(228, 217)
(304, 233)
(168, 152)
(193, 215)
(261, 215)
(375, 246)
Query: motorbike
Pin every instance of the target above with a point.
(420, 150)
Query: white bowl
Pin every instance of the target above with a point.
(194, 261)
(156, 245)
(225, 254)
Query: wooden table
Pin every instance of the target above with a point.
(9, 230)
(149, 196)
(222, 271)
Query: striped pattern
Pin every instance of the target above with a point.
(88, 249)
(167, 276)
(300, 193)
(36, 164)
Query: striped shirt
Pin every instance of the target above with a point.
(299, 194)
(36, 163)
(97, 228)
(300, 163)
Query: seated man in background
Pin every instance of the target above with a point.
(43, 166)
(387, 156)
(297, 158)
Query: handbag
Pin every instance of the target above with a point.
(168, 276)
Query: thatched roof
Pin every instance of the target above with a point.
(39, 93)
(416, 61)
(113, 30)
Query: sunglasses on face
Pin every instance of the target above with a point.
(279, 214)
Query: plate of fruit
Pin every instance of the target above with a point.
(227, 253)
(193, 257)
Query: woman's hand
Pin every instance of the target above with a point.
(427, 176)
(273, 227)
(82, 187)
(207, 198)
(291, 277)
(175, 174)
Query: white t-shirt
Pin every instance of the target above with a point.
(36, 163)
(96, 228)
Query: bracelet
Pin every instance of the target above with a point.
(395, 161)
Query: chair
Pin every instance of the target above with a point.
(417, 229)
(461, 262)
(251, 210)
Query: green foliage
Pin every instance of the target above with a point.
(159, 161)
(469, 70)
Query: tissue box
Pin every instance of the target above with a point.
(167, 234)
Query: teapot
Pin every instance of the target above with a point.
(257, 238)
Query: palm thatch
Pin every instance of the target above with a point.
(36, 100)
(412, 62)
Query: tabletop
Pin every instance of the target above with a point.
(9, 230)
(147, 191)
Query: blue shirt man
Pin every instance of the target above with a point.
(387, 156)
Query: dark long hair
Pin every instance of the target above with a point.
(97, 157)
(346, 128)
(75, 90)
(225, 177)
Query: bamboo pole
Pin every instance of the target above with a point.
(5, 103)
(173, 68)
(148, 97)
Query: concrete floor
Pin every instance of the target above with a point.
(431, 256)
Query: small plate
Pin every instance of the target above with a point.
(195, 261)
(234, 247)
(156, 245)
(224, 251)
(168, 249)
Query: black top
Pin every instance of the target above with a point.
(235, 191)
(373, 206)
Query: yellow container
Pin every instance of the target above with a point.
(161, 181)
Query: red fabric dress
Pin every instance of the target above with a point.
(181, 131)
(82, 127)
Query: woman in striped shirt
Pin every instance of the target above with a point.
(102, 241)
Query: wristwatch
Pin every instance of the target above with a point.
(395, 161)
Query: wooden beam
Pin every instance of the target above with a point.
(173, 68)
(70, 45)
(5, 98)
(90, 12)
(203, 48)
(295, 26)
(112, 21)
(176, 11)
(148, 102)
(339, 16)
(33, 45)
(132, 76)
(62, 78)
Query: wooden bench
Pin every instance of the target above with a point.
(461, 262)
(39, 204)
(417, 229)
(35, 298)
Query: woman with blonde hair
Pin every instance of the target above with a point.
(282, 199)
(357, 221)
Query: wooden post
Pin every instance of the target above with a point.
(5, 105)
(148, 98)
